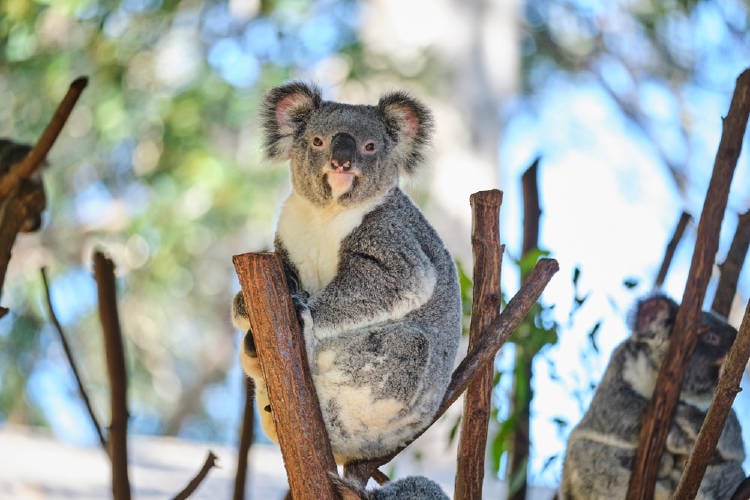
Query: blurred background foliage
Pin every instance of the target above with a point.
(160, 166)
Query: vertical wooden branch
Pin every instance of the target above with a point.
(660, 410)
(246, 439)
(281, 350)
(671, 247)
(71, 361)
(522, 373)
(713, 424)
(104, 273)
(732, 266)
(488, 254)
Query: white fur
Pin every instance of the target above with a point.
(312, 235)
(640, 374)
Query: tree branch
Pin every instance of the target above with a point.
(281, 352)
(730, 270)
(246, 439)
(72, 363)
(671, 247)
(18, 207)
(660, 410)
(118, 381)
(713, 424)
(196, 481)
(42, 147)
(488, 256)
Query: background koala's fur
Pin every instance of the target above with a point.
(375, 288)
(601, 448)
(408, 488)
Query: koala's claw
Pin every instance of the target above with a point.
(249, 345)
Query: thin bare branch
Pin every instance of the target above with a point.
(71, 361)
(671, 248)
(198, 479)
(42, 147)
(246, 439)
(732, 266)
(104, 273)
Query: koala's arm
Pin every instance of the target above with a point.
(686, 425)
(380, 278)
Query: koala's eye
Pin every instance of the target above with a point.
(317, 142)
(370, 147)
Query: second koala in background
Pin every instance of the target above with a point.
(374, 286)
(601, 448)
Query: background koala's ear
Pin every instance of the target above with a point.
(285, 109)
(409, 123)
(654, 316)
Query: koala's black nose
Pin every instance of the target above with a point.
(343, 148)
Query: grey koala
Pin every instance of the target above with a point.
(375, 288)
(601, 448)
(408, 488)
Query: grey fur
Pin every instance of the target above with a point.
(408, 488)
(11, 154)
(602, 446)
(381, 331)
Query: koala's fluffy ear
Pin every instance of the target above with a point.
(409, 124)
(285, 109)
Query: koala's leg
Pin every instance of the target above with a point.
(251, 366)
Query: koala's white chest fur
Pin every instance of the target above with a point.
(312, 235)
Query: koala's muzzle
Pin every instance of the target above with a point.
(343, 149)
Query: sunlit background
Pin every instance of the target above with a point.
(160, 166)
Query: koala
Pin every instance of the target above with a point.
(12, 153)
(601, 448)
(409, 488)
(374, 286)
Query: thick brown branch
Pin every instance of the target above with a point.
(660, 410)
(17, 209)
(726, 390)
(72, 363)
(209, 464)
(104, 273)
(732, 266)
(281, 351)
(42, 147)
(483, 354)
(246, 439)
(671, 248)
(485, 307)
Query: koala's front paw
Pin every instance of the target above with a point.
(240, 318)
(249, 357)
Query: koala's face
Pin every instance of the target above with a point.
(341, 153)
(654, 323)
(715, 338)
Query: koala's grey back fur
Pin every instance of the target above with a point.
(601, 448)
(375, 288)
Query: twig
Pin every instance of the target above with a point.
(488, 255)
(713, 424)
(42, 147)
(522, 374)
(278, 340)
(660, 410)
(118, 382)
(17, 208)
(729, 271)
(671, 248)
(246, 439)
(72, 362)
(196, 481)
(497, 332)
